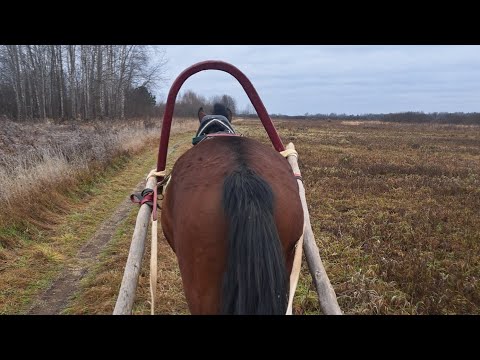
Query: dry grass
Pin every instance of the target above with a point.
(395, 210)
(100, 288)
(39, 163)
(66, 197)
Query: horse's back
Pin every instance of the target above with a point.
(193, 218)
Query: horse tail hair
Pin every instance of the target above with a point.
(255, 280)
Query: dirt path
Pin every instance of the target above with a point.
(57, 296)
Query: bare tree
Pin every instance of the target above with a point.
(248, 110)
(12, 61)
(72, 81)
(61, 82)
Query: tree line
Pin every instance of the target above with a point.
(460, 118)
(86, 82)
(78, 81)
(188, 103)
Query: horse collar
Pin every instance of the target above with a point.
(213, 125)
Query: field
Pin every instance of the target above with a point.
(394, 208)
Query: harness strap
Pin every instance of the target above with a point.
(298, 176)
(221, 134)
(198, 139)
(211, 122)
(148, 196)
(295, 274)
(153, 266)
(145, 197)
(156, 173)
(153, 250)
(297, 260)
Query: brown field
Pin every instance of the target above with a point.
(396, 214)
(394, 208)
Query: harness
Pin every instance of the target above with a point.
(213, 125)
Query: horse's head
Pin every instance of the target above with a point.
(220, 122)
(218, 110)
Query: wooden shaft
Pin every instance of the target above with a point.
(126, 295)
(153, 267)
(326, 293)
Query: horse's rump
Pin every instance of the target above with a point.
(195, 223)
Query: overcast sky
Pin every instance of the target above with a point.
(296, 79)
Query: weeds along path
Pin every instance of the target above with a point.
(56, 298)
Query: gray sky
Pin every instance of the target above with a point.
(296, 79)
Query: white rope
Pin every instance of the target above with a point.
(153, 250)
(289, 152)
(153, 267)
(295, 274)
(297, 260)
(154, 172)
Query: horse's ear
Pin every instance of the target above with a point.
(201, 114)
(230, 115)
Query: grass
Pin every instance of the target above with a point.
(100, 287)
(38, 260)
(36, 247)
(394, 209)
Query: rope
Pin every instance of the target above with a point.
(297, 260)
(295, 274)
(289, 152)
(153, 266)
(153, 252)
(154, 172)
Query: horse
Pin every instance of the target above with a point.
(232, 214)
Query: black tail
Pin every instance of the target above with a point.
(255, 280)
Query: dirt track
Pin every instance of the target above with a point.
(55, 299)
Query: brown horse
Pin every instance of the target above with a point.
(232, 214)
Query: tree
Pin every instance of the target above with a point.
(7, 101)
(188, 104)
(75, 81)
(249, 110)
(139, 102)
